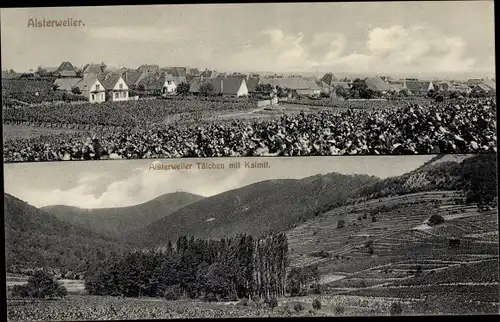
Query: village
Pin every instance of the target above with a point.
(97, 83)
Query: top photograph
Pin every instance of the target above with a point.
(240, 80)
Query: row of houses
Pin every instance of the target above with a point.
(98, 84)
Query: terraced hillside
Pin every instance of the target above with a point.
(399, 256)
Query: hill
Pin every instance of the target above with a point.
(255, 209)
(36, 239)
(118, 221)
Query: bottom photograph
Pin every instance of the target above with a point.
(252, 237)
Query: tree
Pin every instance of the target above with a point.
(342, 92)
(480, 183)
(273, 302)
(264, 88)
(41, 285)
(298, 307)
(316, 304)
(207, 89)
(404, 92)
(141, 88)
(436, 220)
(55, 87)
(183, 89)
(340, 224)
(396, 308)
(75, 90)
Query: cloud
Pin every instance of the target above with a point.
(134, 33)
(140, 186)
(394, 49)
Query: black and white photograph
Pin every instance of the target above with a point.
(253, 79)
(252, 237)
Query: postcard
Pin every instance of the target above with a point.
(304, 236)
(240, 80)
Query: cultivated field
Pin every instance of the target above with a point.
(411, 261)
(83, 308)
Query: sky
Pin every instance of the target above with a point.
(438, 38)
(117, 183)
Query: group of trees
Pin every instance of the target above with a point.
(230, 268)
(479, 175)
(40, 285)
(302, 278)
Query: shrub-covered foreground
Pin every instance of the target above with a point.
(91, 308)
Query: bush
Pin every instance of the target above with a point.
(436, 220)
(273, 302)
(316, 289)
(396, 308)
(339, 310)
(171, 294)
(40, 285)
(316, 304)
(374, 219)
(340, 224)
(298, 307)
(210, 297)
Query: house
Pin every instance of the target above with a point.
(230, 86)
(460, 88)
(193, 71)
(169, 85)
(94, 69)
(416, 87)
(92, 88)
(149, 68)
(66, 69)
(132, 77)
(176, 71)
(66, 84)
(115, 86)
(301, 85)
(396, 87)
(377, 84)
(208, 73)
(88, 86)
(151, 82)
(482, 89)
(252, 83)
(474, 81)
(329, 79)
(490, 83)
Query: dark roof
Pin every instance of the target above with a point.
(208, 73)
(252, 83)
(131, 78)
(475, 81)
(296, 83)
(483, 87)
(87, 81)
(329, 78)
(153, 81)
(67, 83)
(417, 86)
(223, 85)
(66, 69)
(143, 68)
(176, 71)
(376, 84)
(108, 80)
(490, 83)
(92, 69)
(194, 71)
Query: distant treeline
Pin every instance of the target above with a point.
(230, 268)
